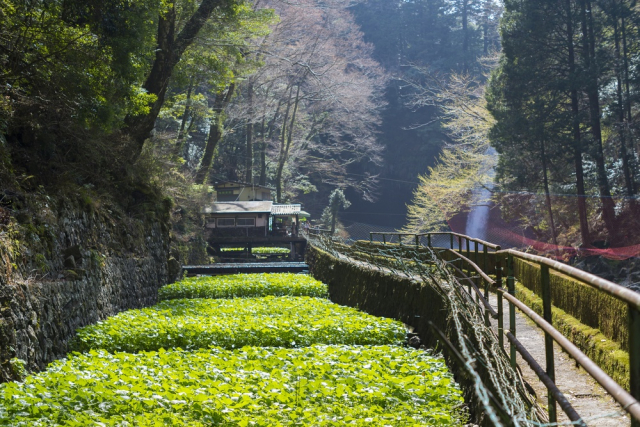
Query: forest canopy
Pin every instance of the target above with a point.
(274, 91)
(565, 100)
(559, 108)
(317, 95)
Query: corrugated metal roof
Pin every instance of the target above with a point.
(286, 209)
(242, 184)
(254, 207)
(238, 207)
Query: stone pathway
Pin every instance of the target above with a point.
(588, 398)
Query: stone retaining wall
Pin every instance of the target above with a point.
(64, 268)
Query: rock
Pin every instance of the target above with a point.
(70, 262)
(413, 340)
(623, 272)
(75, 252)
(174, 270)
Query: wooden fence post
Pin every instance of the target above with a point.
(486, 284)
(512, 308)
(477, 279)
(634, 356)
(500, 309)
(468, 266)
(545, 280)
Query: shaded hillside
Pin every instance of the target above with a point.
(441, 35)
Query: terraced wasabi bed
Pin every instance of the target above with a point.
(313, 386)
(245, 286)
(234, 323)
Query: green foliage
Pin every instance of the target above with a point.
(430, 31)
(417, 297)
(245, 285)
(18, 368)
(270, 250)
(217, 59)
(234, 323)
(466, 163)
(82, 58)
(41, 263)
(320, 386)
(219, 56)
(430, 34)
(563, 100)
(337, 200)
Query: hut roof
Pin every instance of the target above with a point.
(238, 207)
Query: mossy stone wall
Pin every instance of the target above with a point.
(588, 305)
(63, 267)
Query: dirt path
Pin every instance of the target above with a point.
(587, 397)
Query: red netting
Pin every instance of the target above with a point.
(510, 239)
(513, 235)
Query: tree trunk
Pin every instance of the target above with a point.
(215, 135)
(626, 69)
(249, 150)
(334, 217)
(248, 165)
(185, 117)
(577, 140)
(267, 135)
(169, 51)
(263, 156)
(140, 127)
(283, 140)
(285, 155)
(465, 35)
(216, 131)
(627, 101)
(292, 124)
(624, 153)
(625, 56)
(608, 206)
(485, 29)
(547, 193)
(485, 41)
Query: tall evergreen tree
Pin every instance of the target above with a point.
(568, 60)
